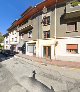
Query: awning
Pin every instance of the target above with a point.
(20, 44)
(72, 46)
(31, 42)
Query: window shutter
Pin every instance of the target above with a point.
(72, 46)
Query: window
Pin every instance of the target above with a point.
(12, 39)
(13, 32)
(30, 48)
(6, 47)
(72, 48)
(15, 39)
(72, 27)
(46, 34)
(22, 35)
(6, 42)
(30, 34)
(46, 20)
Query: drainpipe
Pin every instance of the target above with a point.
(38, 36)
(38, 33)
(55, 30)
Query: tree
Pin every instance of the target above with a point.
(1, 39)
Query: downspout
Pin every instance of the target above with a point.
(38, 36)
(38, 33)
(55, 32)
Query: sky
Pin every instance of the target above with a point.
(11, 10)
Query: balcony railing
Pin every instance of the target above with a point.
(24, 25)
(70, 8)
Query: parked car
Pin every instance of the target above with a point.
(8, 53)
(2, 51)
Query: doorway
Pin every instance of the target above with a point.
(47, 51)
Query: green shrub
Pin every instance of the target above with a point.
(75, 3)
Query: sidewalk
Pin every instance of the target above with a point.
(51, 62)
(62, 79)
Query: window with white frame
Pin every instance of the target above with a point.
(30, 34)
(12, 39)
(15, 39)
(22, 35)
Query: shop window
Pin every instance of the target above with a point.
(46, 20)
(46, 34)
(72, 48)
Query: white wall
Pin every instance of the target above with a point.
(6, 44)
(60, 49)
(39, 47)
(13, 35)
(61, 52)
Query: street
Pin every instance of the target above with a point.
(9, 83)
(21, 75)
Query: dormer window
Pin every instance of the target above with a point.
(30, 34)
(46, 20)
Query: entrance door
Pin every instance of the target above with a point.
(47, 51)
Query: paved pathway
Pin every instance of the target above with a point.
(51, 62)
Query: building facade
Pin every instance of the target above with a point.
(6, 41)
(11, 39)
(51, 30)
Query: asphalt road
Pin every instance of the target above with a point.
(18, 75)
(7, 81)
(9, 84)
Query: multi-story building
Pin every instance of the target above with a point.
(39, 23)
(6, 41)
(51, 29)
(13, 37)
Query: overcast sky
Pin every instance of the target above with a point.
(11, 10)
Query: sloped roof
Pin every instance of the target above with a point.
(38, 8)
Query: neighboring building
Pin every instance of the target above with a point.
(51, 30)
(13, 37)
(6, 41)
